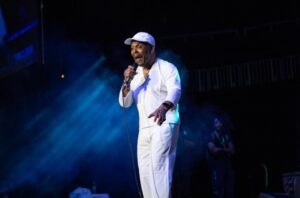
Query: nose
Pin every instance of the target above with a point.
(133, 50)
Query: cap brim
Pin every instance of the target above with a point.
(128, 41)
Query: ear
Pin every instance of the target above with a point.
(152, 49)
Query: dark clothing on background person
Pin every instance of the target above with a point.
(220, 164)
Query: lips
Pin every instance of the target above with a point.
(138, 59)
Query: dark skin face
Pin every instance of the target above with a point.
(143, 54)
(218, 124)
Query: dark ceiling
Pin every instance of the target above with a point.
(111, 20)
(214, 29)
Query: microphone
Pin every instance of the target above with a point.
(127, 82)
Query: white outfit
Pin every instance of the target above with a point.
(156, 144)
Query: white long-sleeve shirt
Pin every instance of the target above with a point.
(163, 83)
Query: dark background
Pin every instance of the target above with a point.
(202, 39)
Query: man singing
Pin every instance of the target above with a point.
(155, 87)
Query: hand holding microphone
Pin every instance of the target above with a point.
(129, 73)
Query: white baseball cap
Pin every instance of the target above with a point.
(141, 37)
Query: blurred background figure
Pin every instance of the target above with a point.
(220, 151)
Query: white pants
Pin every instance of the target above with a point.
(156, 157)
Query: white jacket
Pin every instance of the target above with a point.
(162, 83)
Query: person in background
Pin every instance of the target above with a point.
(220, 151)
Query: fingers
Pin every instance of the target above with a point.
(130, 69)
(151, 115)
(129, 72)
(159, 115)
(160, 121)
(126, 87)
(157, 118)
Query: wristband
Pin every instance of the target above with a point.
(167, 105)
